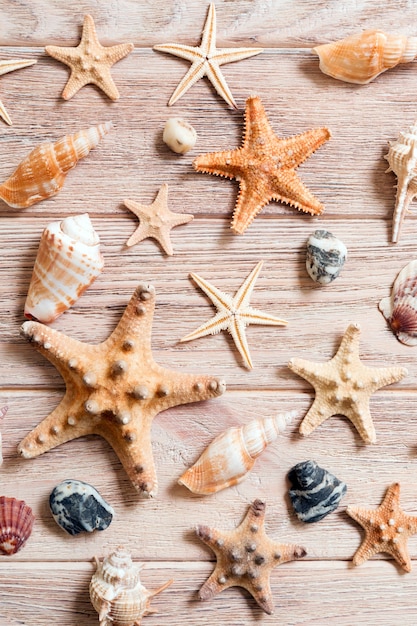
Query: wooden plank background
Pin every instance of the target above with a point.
(47, 582)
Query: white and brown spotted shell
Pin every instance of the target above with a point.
(400, 308)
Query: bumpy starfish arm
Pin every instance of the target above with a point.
(319, 412)
(105, 82)
(226, 164)
(214, 325)
(116, 53)
(298, 148)
(312, 372)
(75, 82)
(362, 420)
(382, 376)
(287, 187)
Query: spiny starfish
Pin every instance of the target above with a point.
(344, 386)
(387, 529)
(90, 62)
(156, 220)
(206, 60)
(5, 68)
(245, 557)
(114, 389)
(233, 314)
(265, 167)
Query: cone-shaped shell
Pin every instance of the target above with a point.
(68, 261)
(400, 308)
(361, 58)
(16, 522)
(231, 455)
(42, 173)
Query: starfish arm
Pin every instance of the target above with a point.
(230, 55)
(226, 163)
(196, 71)
(141, 233)
(218, 81)
(213, 326)
(287, 187)
(253, 196)
(105, 82)
(221, 301)
(114, 54)
(189, 53)
(243, 295)
(65, 55)
(298, 148)
(254, 316)
(383, 376)
(15, 64)
(362, 421)
(319, 412)
(76, 81)
(162, 236)
(391, 499)
(365, 551)
(237, 330)
(4, 115)
(208, 39)
(314, 373)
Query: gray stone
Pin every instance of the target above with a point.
(326, 255)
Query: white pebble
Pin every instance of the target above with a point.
(179, 135)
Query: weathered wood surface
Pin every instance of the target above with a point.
(47, 582)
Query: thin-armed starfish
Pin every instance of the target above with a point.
(114, 389)
(206, 60)
(90, 62)
(5, 68)
(233, 314)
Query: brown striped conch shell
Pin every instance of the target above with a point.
(361, 58)
(400, 308)
(42, 173)
(3, 412)
(68, 261)
(231, 455)
(116, 592)
(16, 522)
(402, 159)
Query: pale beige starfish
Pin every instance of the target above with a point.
(90, 62)
(205, 60)
(233, 314)
(344, 386)
(156, 220)
(5, 68)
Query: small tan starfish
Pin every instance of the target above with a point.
(90, 62)
(265, 167)
(245, 557)
(5, 68)
(114, 389)
(233, 314)
(156, 220)
(387, 529)
(344, 386)
(206, 60)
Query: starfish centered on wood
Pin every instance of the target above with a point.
(206, 60)
(245, 557)
(344, 386)
(5, 68)
(90, 62)
(114, 389)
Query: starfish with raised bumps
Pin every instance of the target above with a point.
(114, 389)
(265, 167)
(233, 314)
(245, 557)
(90, 62)
(387, 529)
(206, 60)
(156, 220)
(344, 386)
(10, 66)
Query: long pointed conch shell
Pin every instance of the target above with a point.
(42, 173)
(3, 412)
(361, 58)
(68, 261)
(229, 457)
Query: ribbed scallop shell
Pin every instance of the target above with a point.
(361, 58)
(231, 455)
(68, 261)
(42, 173)
(400, 308)
(16, 522)
(116, 591)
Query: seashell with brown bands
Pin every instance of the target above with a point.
(42, 173)
(68, 261)
(362, 57)
(400, 308)
(231, 455)
(16, 522)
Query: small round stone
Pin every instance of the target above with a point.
(326, 255)
(179, 135)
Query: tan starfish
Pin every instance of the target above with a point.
(265, 167)
(344, 386)
(387, 529)
(206, 60)
(245, 557)
(233, 314)
(90, 62)
(156, 220)
(114, 389)
(10, 66)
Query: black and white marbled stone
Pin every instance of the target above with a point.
(315, 492)
(78, 507)
(326, 255)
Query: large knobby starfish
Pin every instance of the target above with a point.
(114, 389)
(265, 167)
(233, 314)
(156, 220)
(387, 529)
(344, 386)
(5, 68)
(90, 62)
(245, 557)
(206, 60)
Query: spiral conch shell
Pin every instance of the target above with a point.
(361, 58)
(42, 173)
(68, 261)
(116, 592)
(229, 457)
